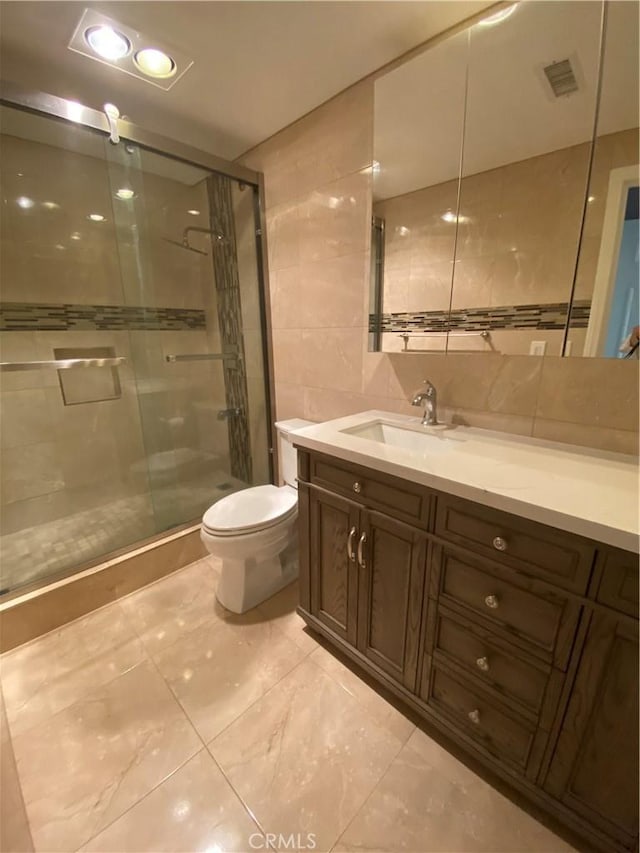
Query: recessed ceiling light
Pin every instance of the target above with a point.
(139, 54)
(24, 202)
(155, 63)
(125, 193)
(96, 217)
(76, 235)
(194, 212)
(107, 42)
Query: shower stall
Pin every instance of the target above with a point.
(134, 384)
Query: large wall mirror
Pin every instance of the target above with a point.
(490, 198)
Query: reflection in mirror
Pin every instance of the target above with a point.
(419, 115)
(529, 123)
(605, 312)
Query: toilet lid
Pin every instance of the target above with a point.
(250, 510)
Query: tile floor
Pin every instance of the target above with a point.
(164, 723)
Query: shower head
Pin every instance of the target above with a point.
(220, 238)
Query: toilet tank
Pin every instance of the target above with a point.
(287, 454)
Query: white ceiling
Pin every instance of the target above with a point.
(258, 66)
(511, 114)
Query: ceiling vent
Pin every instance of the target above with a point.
(561, 78)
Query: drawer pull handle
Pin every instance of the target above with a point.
(483, 664)
(492, 602)
(357, 487)
(350, 552)
(474, 716)
(361, 542)
(500, 544)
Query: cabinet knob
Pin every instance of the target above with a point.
(357, 487)
(500, 544)
(492, 602)
(483, 664)
(474, 716)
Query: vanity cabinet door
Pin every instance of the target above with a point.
(594, 770)
(392, 562)
(333, 570)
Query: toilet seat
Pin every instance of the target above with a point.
(250, 511)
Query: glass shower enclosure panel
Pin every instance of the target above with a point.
(133, 390)
(187, 258)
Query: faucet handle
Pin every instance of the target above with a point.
(431, 388)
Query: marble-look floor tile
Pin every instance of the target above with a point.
(429, 802)
(373, 703)
(280, 611)
(218, 671)
(305, 757)
(88, 764)
(15, 836)
(172, 607)
(195, 809)
(43, 677)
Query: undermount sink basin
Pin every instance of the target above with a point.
(427, 440)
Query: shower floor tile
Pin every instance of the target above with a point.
(37, 552)
(165, 723)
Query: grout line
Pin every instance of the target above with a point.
(370, 794)
(244, 804)
(144, 797)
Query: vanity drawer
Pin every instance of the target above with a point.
(481, 654)
(618, 586)
(553, 555)
(540, 620)
(406, 501)
(460, 703)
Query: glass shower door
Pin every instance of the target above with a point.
(70, 438)
(139, 270)
(188, 260)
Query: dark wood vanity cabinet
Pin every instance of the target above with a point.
(366, 576)
(516, 640)
(594, 769)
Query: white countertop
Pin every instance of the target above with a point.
(588, 492)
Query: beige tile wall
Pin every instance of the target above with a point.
(318, 199)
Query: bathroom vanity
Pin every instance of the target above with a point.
(491, 582)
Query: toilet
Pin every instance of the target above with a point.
(254, 533)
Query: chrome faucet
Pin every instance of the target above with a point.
(429, 399)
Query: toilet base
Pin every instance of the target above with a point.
(246, 583)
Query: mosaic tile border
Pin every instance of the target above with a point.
(33, 317)
(506, 317)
